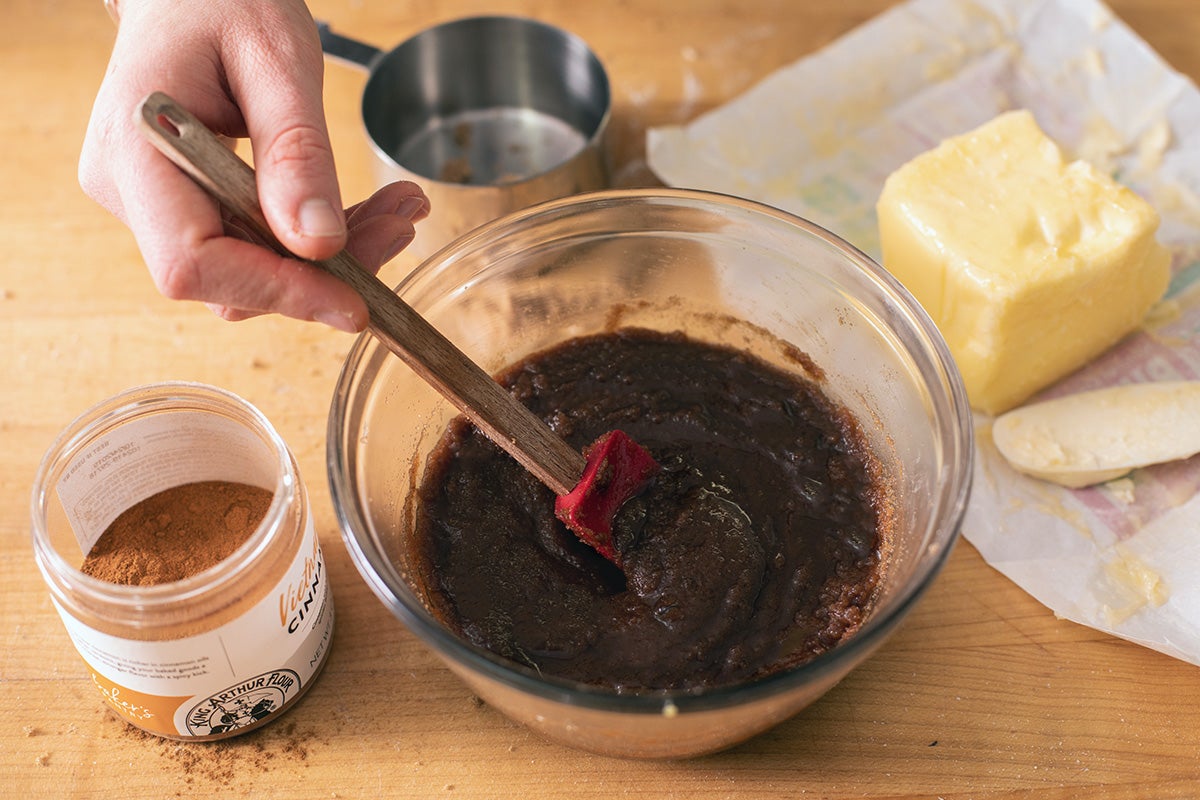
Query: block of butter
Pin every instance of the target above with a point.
(1030, 265)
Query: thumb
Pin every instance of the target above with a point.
(297, 181)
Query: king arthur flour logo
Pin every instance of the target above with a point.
(244, 703)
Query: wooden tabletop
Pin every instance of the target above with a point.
(983, 693)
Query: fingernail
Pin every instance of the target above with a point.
(338, 321)
(412, 207)
(318, 218)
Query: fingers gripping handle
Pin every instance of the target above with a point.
(198, 152)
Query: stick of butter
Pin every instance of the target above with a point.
(1030, 266)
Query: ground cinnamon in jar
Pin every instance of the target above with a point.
(202, 606)
(177, 533)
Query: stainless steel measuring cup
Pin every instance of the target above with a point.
(487, 114)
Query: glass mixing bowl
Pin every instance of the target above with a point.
(720, 269)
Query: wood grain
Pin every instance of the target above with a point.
(982, 694)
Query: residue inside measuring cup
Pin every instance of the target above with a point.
(492, 146)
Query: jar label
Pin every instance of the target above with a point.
(224, 679)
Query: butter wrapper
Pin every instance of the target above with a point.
(826, 131)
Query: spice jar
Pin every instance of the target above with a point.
(213, 653)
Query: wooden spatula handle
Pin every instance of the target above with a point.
(197, 151)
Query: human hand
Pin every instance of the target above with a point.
(244, 68)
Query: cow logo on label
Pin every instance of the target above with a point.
(243, 704)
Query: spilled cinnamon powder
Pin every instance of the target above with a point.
(177, 533)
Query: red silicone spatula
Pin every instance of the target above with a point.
(590, 486)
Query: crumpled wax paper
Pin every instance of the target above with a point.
(818, 138)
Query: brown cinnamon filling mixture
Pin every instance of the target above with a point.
(757, 548)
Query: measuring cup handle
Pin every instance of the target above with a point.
(350, 51)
